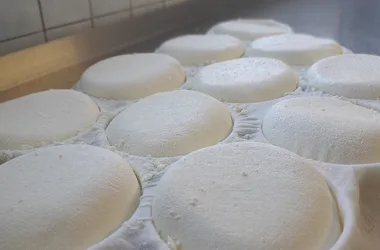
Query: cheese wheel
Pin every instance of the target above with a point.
(246, 80)
(199, 50)
(45, 117)
(350, 75)
(245, 196)
(250, 29)
(294, 49)
(129, 77)
(64, 197)
(325, 129)
(170, 124)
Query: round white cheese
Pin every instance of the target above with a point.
(246, 80)
(129, 77)
(64, 197)
(294, 49)
(350, 75)
(245, 196)
(170, 124)
(325, 129)
(198, 50)
(250, 29)
(45, 117)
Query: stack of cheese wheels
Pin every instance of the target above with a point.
(217, 194)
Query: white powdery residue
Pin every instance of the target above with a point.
(161, 167)
(172, 244)
(172, 213)
(238, 108)
(141, 224)
(243, 112)
(193, 202)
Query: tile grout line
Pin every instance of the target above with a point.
(67, 24)
(91, 13)
(21, 36)
(42, 20)
(114, 12)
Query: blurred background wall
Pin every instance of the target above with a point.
(24, 23)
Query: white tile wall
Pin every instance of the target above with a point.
(61, 12)
(101, 7)
(25, 23)
(18, 18)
